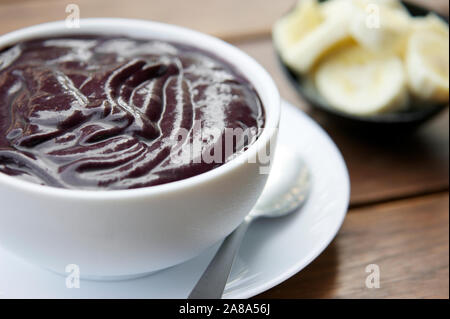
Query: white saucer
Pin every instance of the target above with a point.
(273, 250)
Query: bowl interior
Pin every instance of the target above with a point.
(412, 116)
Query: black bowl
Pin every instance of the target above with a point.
(394, 121)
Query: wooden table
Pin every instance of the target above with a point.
(399, 213)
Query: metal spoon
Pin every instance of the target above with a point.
(286, 189)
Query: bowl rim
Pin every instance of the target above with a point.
(121, 26)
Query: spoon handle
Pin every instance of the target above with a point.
(212, 283)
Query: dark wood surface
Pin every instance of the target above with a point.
(407, 239)
(399, 215)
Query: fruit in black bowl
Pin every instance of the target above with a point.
(373, 64)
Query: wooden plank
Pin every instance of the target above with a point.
(382, 169)
(397, 167)
(407, 239)
(227, 19)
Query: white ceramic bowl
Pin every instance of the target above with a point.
(123, 233)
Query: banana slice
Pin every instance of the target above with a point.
(358, 81)
(304, 36)
(427, 66)
(381, 27)
(332, 8)
(290, 29)
(302, 56)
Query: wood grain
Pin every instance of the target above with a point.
(226, 19)
(407, 239)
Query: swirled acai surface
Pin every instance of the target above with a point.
(94, 112)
